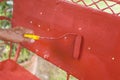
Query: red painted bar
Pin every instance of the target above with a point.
(10, 70)
(58, 22)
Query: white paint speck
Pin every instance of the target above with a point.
(32, 40)
(31, 22)
(79, 28)
(36, 50)
(65, 38)
(48, 29)
(46, 56)
(113, 58)
(89, 48)
(39, 25)
(41, 13)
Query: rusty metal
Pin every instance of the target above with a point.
(68, 76)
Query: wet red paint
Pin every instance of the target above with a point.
(100, 32)
(10, 70)
(59, 23)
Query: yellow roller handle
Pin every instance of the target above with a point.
(32, 36)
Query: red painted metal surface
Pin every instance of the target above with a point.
(59, 23)
(82, 41)
(10, 70)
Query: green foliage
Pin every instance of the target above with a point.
(59, 74)
(5, 10)
(25, 55)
